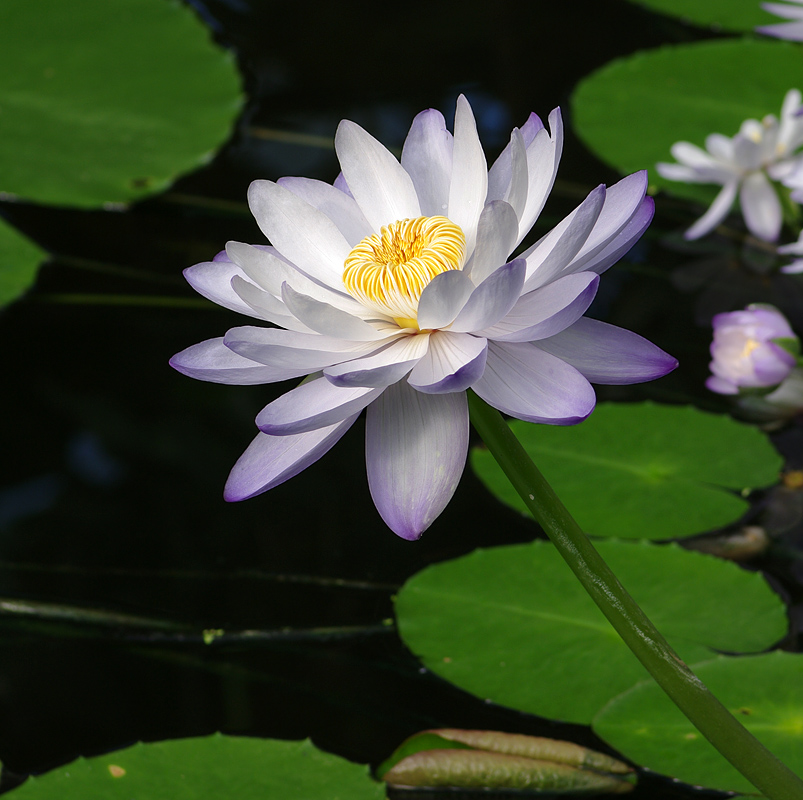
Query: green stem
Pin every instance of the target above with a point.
(707, 714)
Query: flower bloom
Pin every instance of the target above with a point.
(393, 291)
(785, 30)
(745, 353)
(793, 249)
(744, 165)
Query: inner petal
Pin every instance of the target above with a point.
(388, 271)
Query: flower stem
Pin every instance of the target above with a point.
(774, 779)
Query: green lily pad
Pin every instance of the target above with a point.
(730, 15)
(108, 101)
(632, 110)
(512, 625)
(764, 692)
(219, 767)
(644, 470)
(20, 259)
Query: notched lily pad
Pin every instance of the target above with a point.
(730, 15)
(644, 470)
(220, 767)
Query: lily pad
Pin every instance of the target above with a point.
(632, 110)
(644, 470)
(513, 626)
(110, 100)
(219, 767)
(730, 15)
(20, 259)
(765, 693)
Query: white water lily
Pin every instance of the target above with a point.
(745, 166)
(393, 291)
(785, 30)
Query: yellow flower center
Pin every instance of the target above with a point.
(388, 271)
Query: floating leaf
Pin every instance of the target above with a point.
(512, 625)
(632, 110)
(765, 693)
(19, 261)
(644, 470)
(110, 100)
(220, 767)
(731, 15)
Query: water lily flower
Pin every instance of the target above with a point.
(393, 290)
(793, 249)
(744, 165)
(746, 350)
(785, 30)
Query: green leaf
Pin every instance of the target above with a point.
(219, 767)
(110, 100)
(731, 15)
(644, 470)
(632, 110)
(765, 693)
(20, 259)
(512, 625)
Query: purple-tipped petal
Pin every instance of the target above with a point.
(607, 354)
(527, 383)
(427, 157)
(214, 362)
(496, 233)
(382, 368)
(271, 460)
(492, 299)
(212, 280)
(415, 448)
(442, 299)
(312, 405)
(452, 363)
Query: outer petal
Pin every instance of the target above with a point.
(496, 234)
(212, 279)
(607, 354)
(337, 205)
(442, 299)
(301, 233)
(530, 384)
(427, 157)
(492, 299)
(793, 31)
(415, 447)
(469, 184)
(382, 368)
(213, 361)
(716, 213)
(269, 308)
(452, 363)
(271, 460)
(547, 310)
(380, 185)
(312, 405)
(761, 207)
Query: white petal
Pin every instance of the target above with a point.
(547, 310)
(442, 299)
(382, 368)
(761, 207)
(525, 382)
(427, 157)
(213, 361)
(328, 320)
(380, 185)
(271, 460)
(338, 206)
(212, 280)
(268, 307)
(492, 299)
(555, 251)
(716, 213)
(500, 175)
(452, 363)
(469, 184)
(301, 233)
(415, 446)
(496, 234)
(312, 405)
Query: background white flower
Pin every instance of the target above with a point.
(392, 291)
(744, 165)
(785, 30)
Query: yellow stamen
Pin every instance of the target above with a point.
(749, 346)
(388, 271)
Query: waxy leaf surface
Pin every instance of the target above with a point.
(731, 15)
(19, 261)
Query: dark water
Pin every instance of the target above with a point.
(113, 468)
